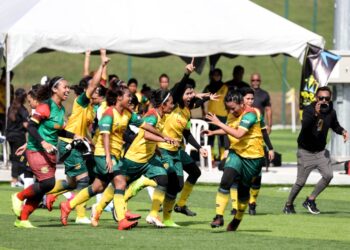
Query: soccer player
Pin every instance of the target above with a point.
(177, 125)
(245, 158)
(45, 126)
(78, 123)
(248, 99)
(141, 159)
(107, 154)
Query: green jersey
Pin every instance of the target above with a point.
(50, 118)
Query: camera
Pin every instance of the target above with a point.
(324, 108)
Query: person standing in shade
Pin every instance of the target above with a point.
(318, 118)
(237, 81)
(261, 100)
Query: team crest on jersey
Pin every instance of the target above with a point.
(78, 166)
(44, 170)
(57, 126)
(166, 165)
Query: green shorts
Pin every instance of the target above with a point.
(75, 164)
(133, 170)
(247, 168)
(173, 161)
(100, 168)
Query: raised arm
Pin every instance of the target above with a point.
(86, 68)
(95, 81)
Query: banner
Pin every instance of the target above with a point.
(317, 67)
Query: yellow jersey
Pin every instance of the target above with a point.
(174, 125)
(249, 146)
(218, 107)
(100, 110)
(141, 150)
(82, 116)
(114, 124)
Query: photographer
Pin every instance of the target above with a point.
(318, 117)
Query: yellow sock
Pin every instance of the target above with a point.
(234, 197)
(157, 201)
(221, 202)
(81, 210)
(119, 204)
(241, 208)
(185, 193)
(138, 185)
(107, 197)
(81, 197)
(253, 195)
(59, 188)
(168, 206)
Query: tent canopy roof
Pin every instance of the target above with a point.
(153, 27)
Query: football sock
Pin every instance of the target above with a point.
(83, 196)
(27, 193)
(222, 198)
(168, 206)
(241, 208)
(253, 195)
(29, 207)
(81, 210)
(107, 197)
(185, 193)
(157, 201)
(234, 197)
(119, 203)
(60, 186)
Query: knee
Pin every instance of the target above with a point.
(328, 177)
(47, 185)
(162, 180)
(83, 183)
(194, 174)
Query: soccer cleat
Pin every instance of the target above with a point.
(124, 224)
(95, 216)
(82, 220)
(65, 210)
(218, 221)
(50, 199)
(184, 210)
(154, 221)
(252, 210)
(23, 224)
(170, 223)
(131, 216)
(137, 185)
(233, 211)
(289, 209)
(16, 204)
(311, 206)
(233, 225)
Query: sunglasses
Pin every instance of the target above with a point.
(321, 98)
(255, 80)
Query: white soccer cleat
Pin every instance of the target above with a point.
(154, 221)
(83, 220)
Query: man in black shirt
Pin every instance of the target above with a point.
(318, 118)
(237, 82)
(261, 100)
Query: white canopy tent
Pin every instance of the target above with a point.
(149, 28)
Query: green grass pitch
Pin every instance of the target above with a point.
(269, 229)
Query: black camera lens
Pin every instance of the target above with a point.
(324, 108)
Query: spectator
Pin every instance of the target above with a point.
(216, 107)
(261, 100)
(3, 97)
(318, 118)
(237, 81)
(17, 122)
(164, 81)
